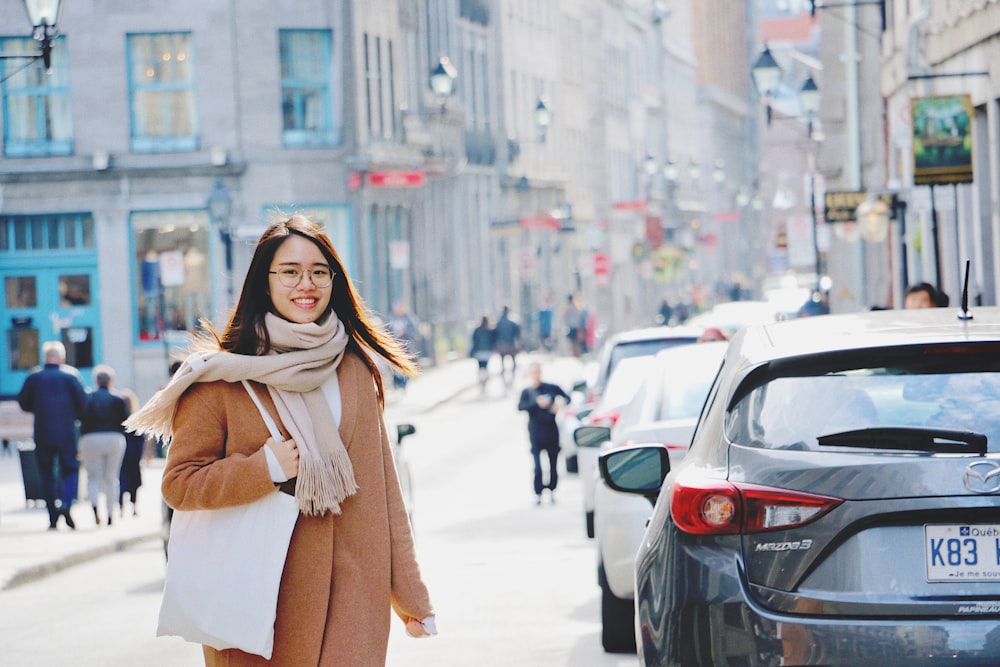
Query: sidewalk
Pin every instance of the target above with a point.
(29, 551)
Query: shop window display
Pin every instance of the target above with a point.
(172, 282)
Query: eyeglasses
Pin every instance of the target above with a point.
(291, 276)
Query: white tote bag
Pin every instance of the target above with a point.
(224, 567)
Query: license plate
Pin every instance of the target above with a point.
(962, 552)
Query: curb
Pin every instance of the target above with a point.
(42, 570)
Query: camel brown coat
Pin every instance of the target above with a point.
(342, 572)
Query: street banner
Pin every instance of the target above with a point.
(942, 139)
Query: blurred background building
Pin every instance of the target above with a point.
(464, 155)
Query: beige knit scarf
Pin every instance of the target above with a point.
(303, 357)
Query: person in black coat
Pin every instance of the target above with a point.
(102, 445)
(56, 396)
(542, 400)
(130, 478)
(484, 342)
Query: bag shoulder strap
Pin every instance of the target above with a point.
(271, 426)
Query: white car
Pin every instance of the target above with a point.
(664, 410)
(620, 389)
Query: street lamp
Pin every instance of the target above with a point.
(719, 173)
(44, 17)
(220, 206)
(766, 75)
(694, 171)
(543, 118)
(442, 80)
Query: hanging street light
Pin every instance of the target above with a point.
(44, 17)
(443, 78)
(543, 118)
(766, 75)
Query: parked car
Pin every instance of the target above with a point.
(731, 316)
(620, 389)
(403, 430)
(664, 410)
(838, 504)
(634, 343)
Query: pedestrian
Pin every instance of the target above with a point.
(102, 441)
(403, 326)
(130, 477)
(575, 319)
(542, 400)
(301, 335)
(545, 317)
(924, 295)
(56, 396)
(484, 341)
(664, 313)
(508, 341)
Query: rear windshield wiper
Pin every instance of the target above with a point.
(909, 438)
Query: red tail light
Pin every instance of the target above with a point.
(607, 418)
(718, 507)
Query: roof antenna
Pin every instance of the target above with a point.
(965, 314)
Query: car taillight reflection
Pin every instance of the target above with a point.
(607, 418)
(718, 507)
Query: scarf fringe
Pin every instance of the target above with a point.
(155, 419)
(318, 493)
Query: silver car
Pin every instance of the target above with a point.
(839, 504)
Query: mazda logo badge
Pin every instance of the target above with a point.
(982, 477)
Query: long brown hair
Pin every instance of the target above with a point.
(246, 333)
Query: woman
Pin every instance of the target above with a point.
(300, 333)
(102, 441)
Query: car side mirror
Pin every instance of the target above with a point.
(403, 430)
(639, 469)
(591, 436)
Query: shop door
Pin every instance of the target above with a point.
(43, 304)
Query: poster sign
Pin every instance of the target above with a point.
(171, 268)
(942, 139)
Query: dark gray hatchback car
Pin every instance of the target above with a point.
(839, 504)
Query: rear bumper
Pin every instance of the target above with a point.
(759, 639)
(715, 622)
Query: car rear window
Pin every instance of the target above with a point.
(643, 348)
(793, 412)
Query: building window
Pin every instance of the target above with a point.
(307, 109)
(46, 233)
(380, 94)
(171, 275)
(36, 106)
(162, 92)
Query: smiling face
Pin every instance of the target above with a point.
(305, 302)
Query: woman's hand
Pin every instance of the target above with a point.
(287, 453)
(417, 628)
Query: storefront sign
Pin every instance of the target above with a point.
(942, 139)
(843, 206)
(413, 178)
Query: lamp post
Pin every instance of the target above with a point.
(442, 80)
(44, 17)
(220, 206)
(543, 118)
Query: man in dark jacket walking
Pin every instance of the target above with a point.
(56, 396)
(542, 400)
